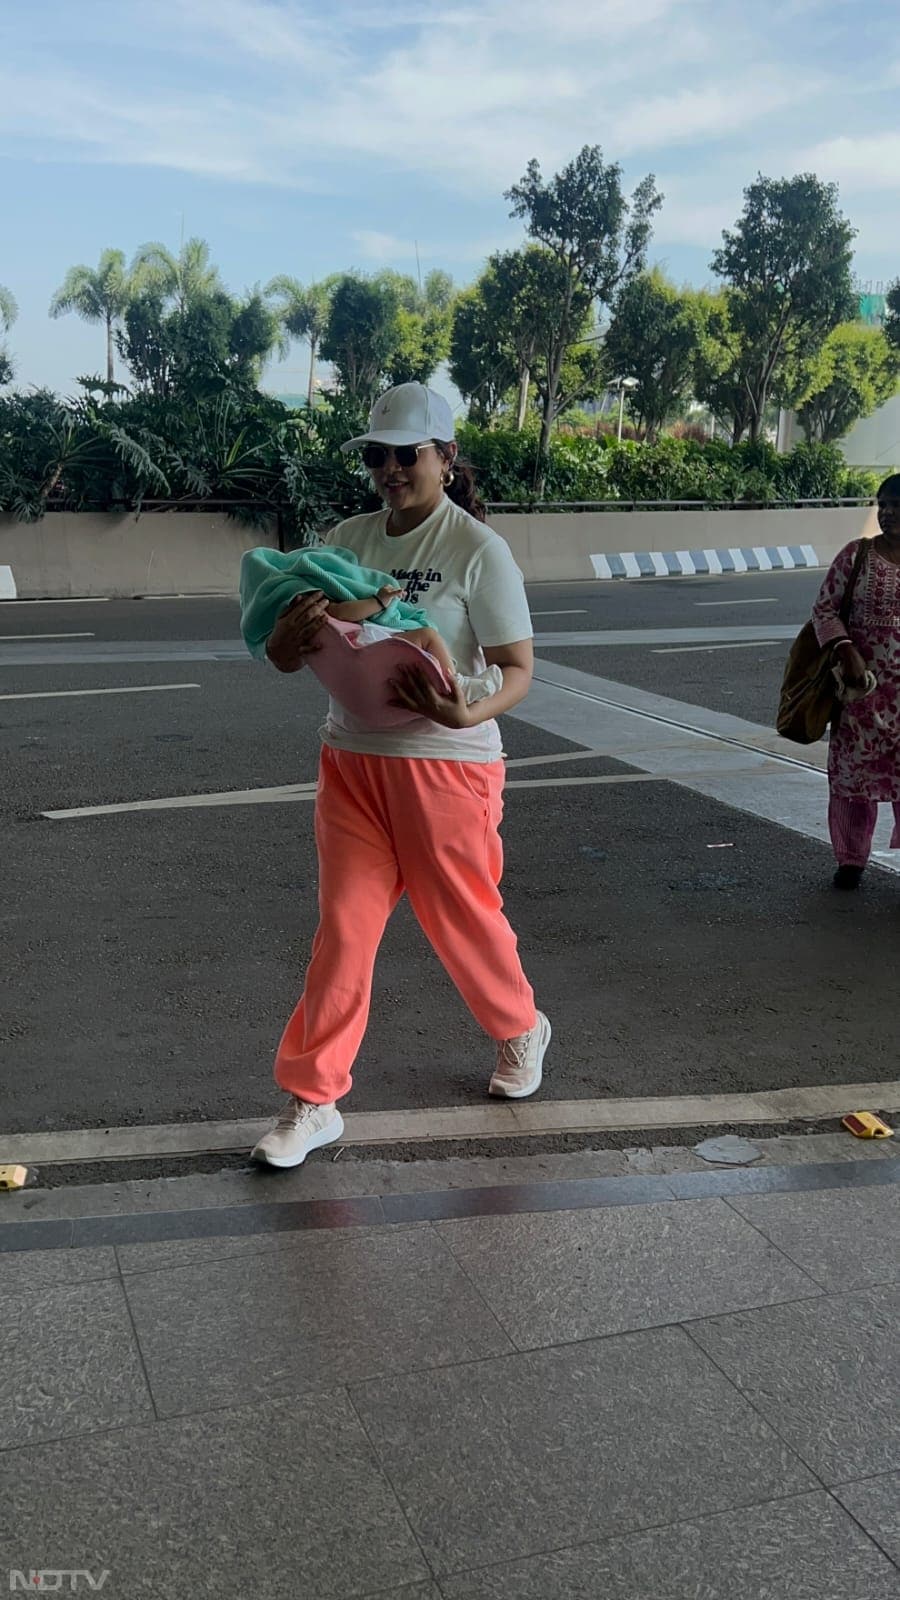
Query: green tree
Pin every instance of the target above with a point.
(439, 292)
(181, 279)
(424, 325)
(523, 290)
(719, 381)
(363, 333)
(521, 310)
(853, 374)
(655, 338)
(892, 314)
(304, 311)
(8, 313)
(787, 262)
(482, 362)
(211, 340)
(598, 238)
(101, 294)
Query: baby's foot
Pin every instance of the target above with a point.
(481, 687)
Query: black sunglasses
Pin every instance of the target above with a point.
(406, 455)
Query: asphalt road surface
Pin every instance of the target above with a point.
(671, 892)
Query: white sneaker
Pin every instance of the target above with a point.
(300, 1129)
(520, 1062)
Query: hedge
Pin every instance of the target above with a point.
(602, 469)
(258, 458)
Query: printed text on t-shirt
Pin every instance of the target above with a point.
(417, 582)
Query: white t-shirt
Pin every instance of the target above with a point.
(463, 574)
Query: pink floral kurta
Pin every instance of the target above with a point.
(864, 750)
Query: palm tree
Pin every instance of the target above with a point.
(101, 295)
(8, 308)
(8, 313)
(303, 313)
(184, 278)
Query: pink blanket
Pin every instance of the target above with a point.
(356, 663)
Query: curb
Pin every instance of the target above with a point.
(689, 563)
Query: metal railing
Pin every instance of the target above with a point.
(541, 507)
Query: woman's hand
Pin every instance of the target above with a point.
(293, 637)
(852, 664)
(414, 691)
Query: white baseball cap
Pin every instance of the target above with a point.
(408, 414)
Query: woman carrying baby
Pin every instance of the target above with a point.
(413, 808)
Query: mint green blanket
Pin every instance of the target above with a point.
(271, 579)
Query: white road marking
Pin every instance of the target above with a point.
(768, 600)
(705, 649)
(577, 613)
(287, 794)
(638, 728)
(487, 1121)
(544, 761)
(228, 650)
(67, 694)
(185, 802)
(26, 638)
(717, 633)
(676, 776)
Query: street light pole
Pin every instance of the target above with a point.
(623, 384)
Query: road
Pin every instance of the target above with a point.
(671, 887)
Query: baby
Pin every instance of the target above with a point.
(478, 688)
(366, 610)
(271, 579)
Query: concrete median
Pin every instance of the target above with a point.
(74, 554)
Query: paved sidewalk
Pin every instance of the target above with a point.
(673, 1385)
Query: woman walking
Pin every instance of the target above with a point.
(864, 747)
(414, 808)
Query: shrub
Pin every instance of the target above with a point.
(232, 445)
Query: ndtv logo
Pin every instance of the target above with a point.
(52, 1579)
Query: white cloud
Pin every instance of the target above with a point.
(262, 91)
(716, 110)
(387, 250)
(863, 162)
(687, 219)
(352, 98)
(383, 246)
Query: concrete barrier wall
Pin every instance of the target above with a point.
(560, 547)
(71, 554)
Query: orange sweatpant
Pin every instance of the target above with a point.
(385, 824)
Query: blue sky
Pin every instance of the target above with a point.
(304, 137)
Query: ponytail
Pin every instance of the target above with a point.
(463, 490)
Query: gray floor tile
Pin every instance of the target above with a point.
(824, 1372)
(844, 1238)
(579, 1274)
(68, 1363)
(529, 1452)
(21, 1270)
(876, 1504)
(314, 1316)
(283, 1499)
(159, 1255)
(797, 1550)
(418, 1591)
